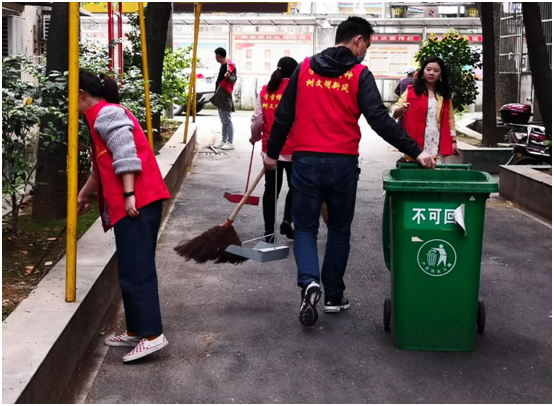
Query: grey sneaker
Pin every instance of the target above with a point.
(220, 145)
(227, 147)
(308, 311)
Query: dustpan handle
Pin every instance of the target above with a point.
(247, 195)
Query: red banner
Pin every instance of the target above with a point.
(395, 38)
(471, 38)
(274, 37)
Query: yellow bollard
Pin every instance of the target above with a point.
(192, 85)
(72, 153)
(145, 74)
(195, 53)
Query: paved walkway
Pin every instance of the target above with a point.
(234, 332)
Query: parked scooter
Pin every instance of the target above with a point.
(529, 145)
(529, 141)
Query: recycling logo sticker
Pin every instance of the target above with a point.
(437, 258)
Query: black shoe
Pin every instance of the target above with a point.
(286, 229)
(308, 310)
(269, 239)
(335, 305)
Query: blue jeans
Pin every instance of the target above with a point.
(226, 126)
(315, 180)
(136, 240)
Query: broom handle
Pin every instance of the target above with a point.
(247, 195)
(250, 168)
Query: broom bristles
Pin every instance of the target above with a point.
(211, 246)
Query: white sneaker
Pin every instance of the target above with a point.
(220, 145)
(122, 340)
(145, 347)
(227, 147)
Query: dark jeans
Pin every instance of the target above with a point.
(136, 239)
(269, 195)
(315, 180)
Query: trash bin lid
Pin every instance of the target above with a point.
(441, 179)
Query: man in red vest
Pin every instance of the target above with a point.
(324, 100)
(223, 97)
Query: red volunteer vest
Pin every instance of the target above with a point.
(149, 184)
(224, 84)
(270, 101)
(415, 118)
(327, 112)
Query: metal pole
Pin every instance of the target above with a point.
(72, 154)
(145, 74)
(120, 36)
(192, 84)
(110, 37)
(195, 54)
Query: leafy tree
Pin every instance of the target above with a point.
(175, 83)
(460, 61)
(51, 198)
(23, 106)
(132, 57)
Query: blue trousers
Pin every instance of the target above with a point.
(315, 180)
(136, 240)
(227, 130)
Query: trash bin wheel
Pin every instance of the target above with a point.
(481, 316)
(386, 314)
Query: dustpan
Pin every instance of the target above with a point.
(236, 198)
(262, 251)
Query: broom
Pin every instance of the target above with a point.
(211, 245)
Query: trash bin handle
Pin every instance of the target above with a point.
(415, 165)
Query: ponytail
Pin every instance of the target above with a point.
(99, 86)
(285, 68)
(275, 81)
(111, 90)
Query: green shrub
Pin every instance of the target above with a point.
(460, 61)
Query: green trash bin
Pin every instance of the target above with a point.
(432, 239)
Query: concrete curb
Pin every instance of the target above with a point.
(528, 187)
(44, 339)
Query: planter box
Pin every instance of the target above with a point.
(528, 187)
(482, 159)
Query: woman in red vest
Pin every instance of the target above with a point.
(262, 121)
(427, 112)
(131, 191)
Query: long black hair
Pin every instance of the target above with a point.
(442, 87)
(285, 68)
(100, 85)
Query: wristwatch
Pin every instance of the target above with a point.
(128, 194)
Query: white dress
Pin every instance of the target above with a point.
(432, 132)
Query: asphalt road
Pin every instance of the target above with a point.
(234, 333)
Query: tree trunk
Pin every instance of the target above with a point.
(15, 216)
(156, 19)
(489, 75)
(507, 83)
(50, 200)
(169, 45)
(541, 70)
